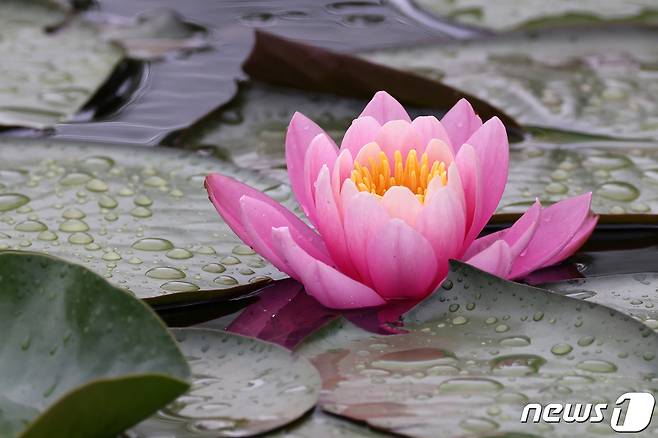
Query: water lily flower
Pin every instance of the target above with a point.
(393, 204)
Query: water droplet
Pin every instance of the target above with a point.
(73, 226)
(502, 328)
(97, 163)
(111, 256)
(230, 260)
(80, 238)
(152, 244)
(476, 424)
(515, 341)
(179, 254)
(466, 385)
(618, 191)
(517, 365)
(141, 212)
(96, 185)
(165, 273)
(556, 188)
(11, 201)
(107, 201)
(143, 201)
(155, 181)
(459, 320)
(179, 286)
(585, 341)
(214, 268)
(205, 250)
(597, 366)
(31, 226)
(225, 280)
(561, 349)
(243, 250)
(74, 179)
(47, 236)
(73, 213)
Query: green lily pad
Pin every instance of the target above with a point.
(138, 216)
(633, 294)
(242, 386)
(75, 351)
(477, 352)
(46, 78)
(511, 14)
(597, 81)
(623, 176)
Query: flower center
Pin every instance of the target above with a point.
(416, 175)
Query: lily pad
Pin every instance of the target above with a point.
(477, 352)
(75, 351)
(594, 80)
(510, 14)
(138, 216)
(46, 78)
(242, 387)
(633, 294)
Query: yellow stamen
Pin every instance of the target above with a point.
(416, 175)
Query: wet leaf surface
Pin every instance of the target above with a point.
(477, 351)
(46, 78)
(510, 14)
(137, 216)
(55, 374)
(591, 80)
(633, 294)
(242, 387)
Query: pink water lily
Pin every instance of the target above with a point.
(393, 204)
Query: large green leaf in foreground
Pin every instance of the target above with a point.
(46, 78)
(477, 351)
(138, 216)
(633, 294)
(242, 387)
(78, 357)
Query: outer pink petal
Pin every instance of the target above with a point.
(492, 148)
(322, 151)
(341, 171)
(496, 259)
(443, 222)
(329, 286)
(469, 170)
(383, 107)
(576, 241)
(558, 224)
(401, 261)
(361, 132)
(398, 135)
(301, 131)
(517, 236)
(364, 216)
(258, 219)
(437, 150)
(330, 224)
(428, 128)
(460, 123)
(348, 191)
(400, 203)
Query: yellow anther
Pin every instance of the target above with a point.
(412, 173)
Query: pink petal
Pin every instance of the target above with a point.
(401, 262)
(363, 217)
(330, 224)
(258, 219)
(492, 148)
(367, 152)
(517, 236)
(383, 107)
(321, 152)
(469, 169)
(443, 222)
(576, 241)
(401, 203)
(330, 287)
(428, 128)
(301, 131)
(348, 191)
(437, 150)
(558, 224)
(496, 259)
(460, 123)
(361, 132)
(398, 135)
(341, 171)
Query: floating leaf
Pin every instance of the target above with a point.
(46, 78)
(320, 424)
(138, 216)
(75, 351)
(242, 387)
(476, 352)
(633, 294)
(511, 14)
(597, 81)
